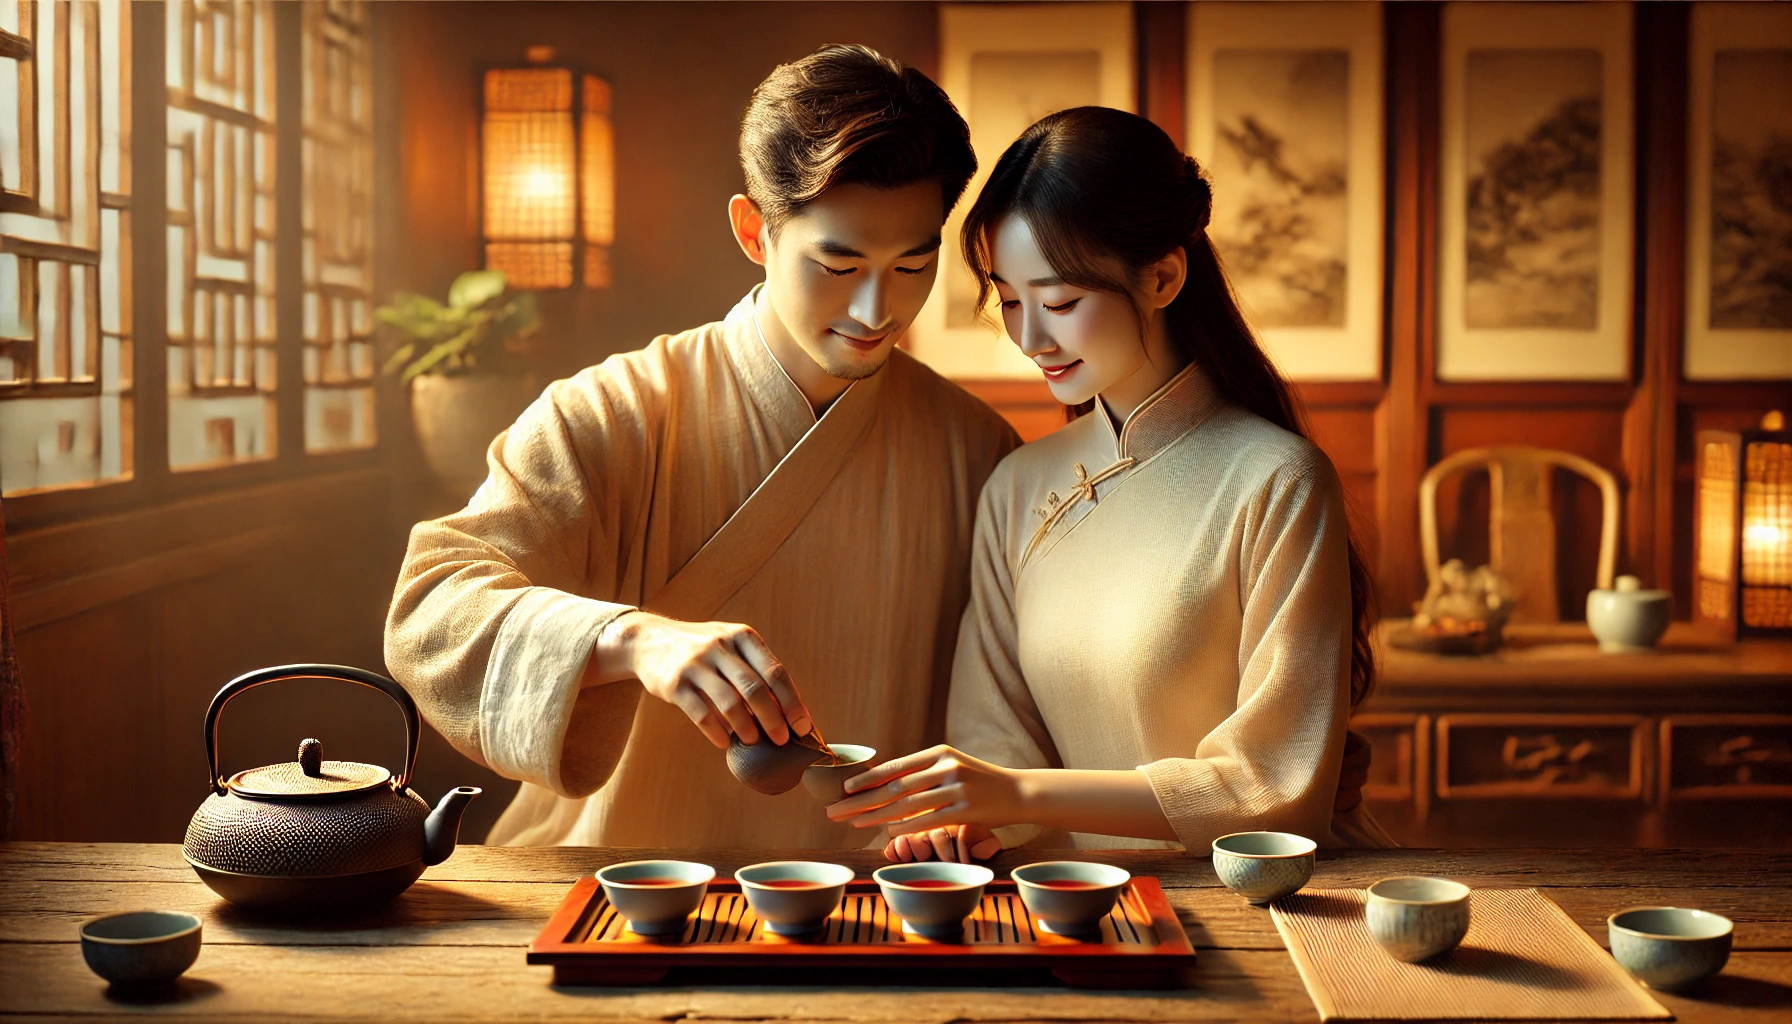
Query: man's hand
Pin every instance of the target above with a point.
(962, 843)
(720, 674)
(1356, 772)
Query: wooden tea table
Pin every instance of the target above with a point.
(452, 947)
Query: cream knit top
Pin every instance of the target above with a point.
(1171, 596)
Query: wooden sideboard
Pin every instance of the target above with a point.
(1548, 742)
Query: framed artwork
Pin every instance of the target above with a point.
(1006, 66)
(1535, 187)
(1739, 223)
(1285, 114)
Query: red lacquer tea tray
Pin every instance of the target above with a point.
(1141, 944)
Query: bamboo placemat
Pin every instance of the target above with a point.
(1523, 959)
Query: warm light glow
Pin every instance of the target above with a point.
(542, 185)
(548, 176)
(1763, 535)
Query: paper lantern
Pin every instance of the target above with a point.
(548, 175)
(1742, 530)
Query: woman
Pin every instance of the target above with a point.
(1169, 620)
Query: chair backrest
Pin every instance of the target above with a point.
(1521, 528)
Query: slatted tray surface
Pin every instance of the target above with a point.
(1141, 942)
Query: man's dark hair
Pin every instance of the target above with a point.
(849, 115)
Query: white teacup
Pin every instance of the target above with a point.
(1069, 897)
(656, 896)
(1417, 918)
(933, 899)
(1263, 866)
(793, 897)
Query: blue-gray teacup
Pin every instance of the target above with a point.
(141, 947)
(1670, 947)
(1263, 866)
(1417, 918)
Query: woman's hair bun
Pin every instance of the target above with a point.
(1197, 190)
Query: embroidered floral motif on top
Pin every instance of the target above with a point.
(1083, 490)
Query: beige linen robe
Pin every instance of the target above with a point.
(596, 497)
(1185, 612)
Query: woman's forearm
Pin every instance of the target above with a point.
(1114, 803)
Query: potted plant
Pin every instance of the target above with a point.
(465, 368)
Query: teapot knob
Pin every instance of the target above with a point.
(311, 757)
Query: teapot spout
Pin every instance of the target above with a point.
(441, 830)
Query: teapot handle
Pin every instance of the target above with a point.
(250, 680)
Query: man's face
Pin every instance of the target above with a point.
(848, 272)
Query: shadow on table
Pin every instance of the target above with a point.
(1734, 990)
(421, 904)
(178, 992)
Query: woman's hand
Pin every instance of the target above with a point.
(961, 843)
(935, 788)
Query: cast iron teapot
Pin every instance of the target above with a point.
(316, 835)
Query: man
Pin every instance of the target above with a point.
(580, 623)
(787, 467)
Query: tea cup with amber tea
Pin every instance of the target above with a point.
(793, 897)
(826, 779)
(1069, 897)
(656, 896)
(933, 899)
(1263, 866)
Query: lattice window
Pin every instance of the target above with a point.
(338, 204)
(65, 282)
(221, 203)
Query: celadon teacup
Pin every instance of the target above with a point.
(1263, 866)
(1417, 918)
(1670, 947)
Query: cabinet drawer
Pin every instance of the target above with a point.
(1594, 757)
(1726, 757)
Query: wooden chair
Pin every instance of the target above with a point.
(1522, 530)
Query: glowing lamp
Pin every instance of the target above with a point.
(1742, 530)
(547, 175)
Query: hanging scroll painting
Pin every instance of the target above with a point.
(1534, 239)
(1006, 66)
(1285, 114)
(1739, 215)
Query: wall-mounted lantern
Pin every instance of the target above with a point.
(1742, 530)
(547, 174)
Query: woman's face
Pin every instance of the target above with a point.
(1086, 342)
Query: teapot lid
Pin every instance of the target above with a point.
(309, 778)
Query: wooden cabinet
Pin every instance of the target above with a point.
(1548, 742)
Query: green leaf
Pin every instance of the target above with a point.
(416, 315)
(398, 358)
(475, 288)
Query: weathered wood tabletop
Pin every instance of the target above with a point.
(452, 947)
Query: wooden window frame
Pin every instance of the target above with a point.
(152, 482)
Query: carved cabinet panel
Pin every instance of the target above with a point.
(1717, 757)
(1493, 756)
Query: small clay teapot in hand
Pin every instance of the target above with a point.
(313, 835)
(768, 768)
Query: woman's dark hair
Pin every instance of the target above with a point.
(1099, 186)
(847, 114)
